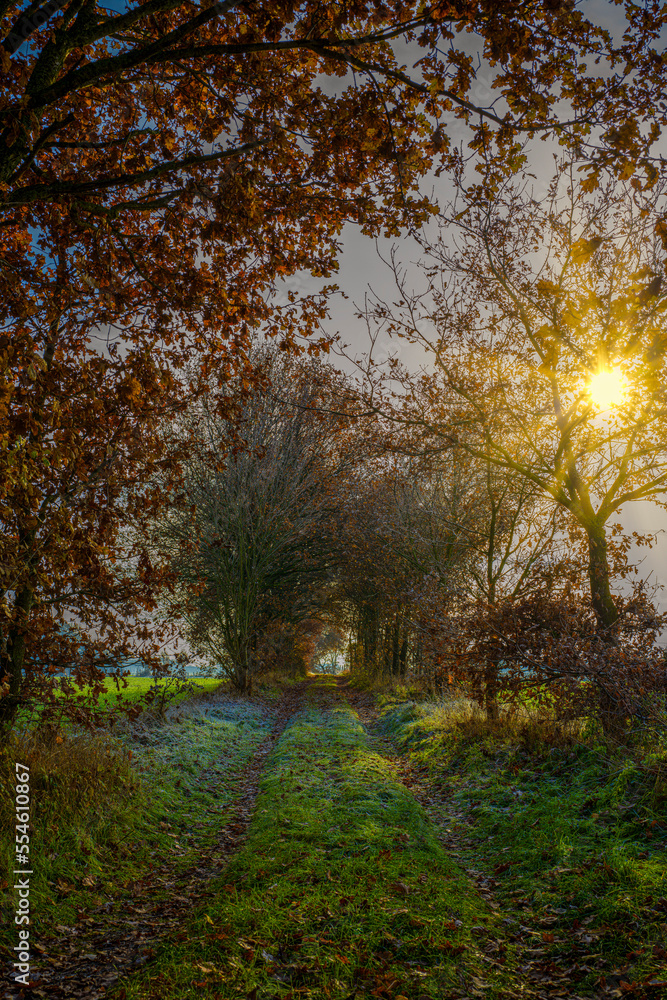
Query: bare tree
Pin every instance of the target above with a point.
(502, 539)
(403, 532)
(251, 535)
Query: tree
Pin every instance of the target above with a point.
(469, 538)
(164, 160)
(249, 535)
(371, 577)
(72, 484)
(172, 82)
(550, 643)
(529, 318)
(156, 166)
(329, 646)
(401, 549)
(511, 546)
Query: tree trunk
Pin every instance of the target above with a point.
(395, 648)
(242, 668)
(12, 658)
(418, 657)
(370, 637)
(598, 575)
(613, 721)
(12, 653)
(240, 678)
(403, 655)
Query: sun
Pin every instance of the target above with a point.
(608, 389)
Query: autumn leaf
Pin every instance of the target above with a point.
(582, 250)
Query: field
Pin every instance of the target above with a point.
(136, 687)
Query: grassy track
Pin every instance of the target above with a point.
(530, 869)
(341, 888)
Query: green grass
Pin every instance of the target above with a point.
(569, 834)
(340, 888)
(134, 688)
(130, 690)
(345, 886)
(126, 692)
(107, 813)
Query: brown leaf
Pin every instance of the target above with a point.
(400, 888)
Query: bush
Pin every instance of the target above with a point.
(553, 649)
(70, 773)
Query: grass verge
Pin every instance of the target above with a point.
(569, 835)
(106, 813)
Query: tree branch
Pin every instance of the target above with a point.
(45, 192)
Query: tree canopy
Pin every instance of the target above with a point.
(164, 167)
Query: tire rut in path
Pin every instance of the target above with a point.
(510, 926)
(85, 964)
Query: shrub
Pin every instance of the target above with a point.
(554, 650)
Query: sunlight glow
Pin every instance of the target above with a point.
(607, 389)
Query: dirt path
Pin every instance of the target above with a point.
(338, 891)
